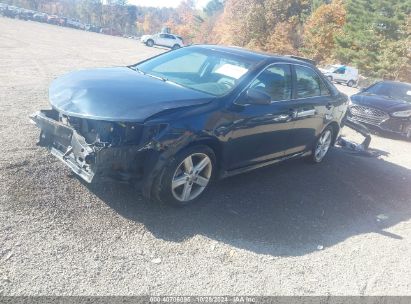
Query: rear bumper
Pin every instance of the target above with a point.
(66, 145)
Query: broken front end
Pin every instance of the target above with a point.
(95, 149)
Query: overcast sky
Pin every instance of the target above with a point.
(164, 3)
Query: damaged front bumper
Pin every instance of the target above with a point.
(67, 145)
(93, 157)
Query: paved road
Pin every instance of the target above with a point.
(342, 227)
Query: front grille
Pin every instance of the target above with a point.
(368, 115)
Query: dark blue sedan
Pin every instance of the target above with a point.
(384, 106)
(174, 122)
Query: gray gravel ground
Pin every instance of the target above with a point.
(255, 234)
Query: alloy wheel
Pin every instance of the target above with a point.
(191, 177)
(323, 145)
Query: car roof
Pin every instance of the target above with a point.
(260, 56)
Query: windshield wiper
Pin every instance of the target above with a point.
(134, 68)
(157, 77)
(151, 75)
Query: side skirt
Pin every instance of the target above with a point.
(225, 174)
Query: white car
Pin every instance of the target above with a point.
(341, 74)
(163, 39)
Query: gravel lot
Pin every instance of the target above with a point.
(257, 234)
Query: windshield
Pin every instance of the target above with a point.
(204, 70)
(393, 90)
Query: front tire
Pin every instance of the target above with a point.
(175, 47)
(350, 83)
(150, 43)
(322, 146)
(186, 176)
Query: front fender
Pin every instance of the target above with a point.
(163, 149)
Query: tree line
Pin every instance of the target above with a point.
(372, 35)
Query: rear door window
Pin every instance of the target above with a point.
(309, 84)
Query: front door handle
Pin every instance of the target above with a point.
(286, 117)
(305, 113)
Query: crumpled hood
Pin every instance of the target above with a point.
(380, 102)
(118, 94)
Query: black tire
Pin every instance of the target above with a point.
(162, 189)
(408, 133)
(350, 83)
(313, 158)
(175, 47)
(150, 43)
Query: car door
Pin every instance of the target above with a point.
(170, 40)
(164, 40)
(258, 133)
(313, 105)
(161, 39)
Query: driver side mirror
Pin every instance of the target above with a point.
(258, 97)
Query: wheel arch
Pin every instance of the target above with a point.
(211, 142)
(156, 161)
(336, 130)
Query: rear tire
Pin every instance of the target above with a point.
(175, 47)
(150, 43)
(186, 176)
(322, 146)
(408, 133)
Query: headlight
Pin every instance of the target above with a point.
(406, 113)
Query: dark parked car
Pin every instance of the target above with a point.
(53, 19)
(10, 12)
(26, 15)
(40, 17)
(92, 28)
(109, 31)
(385, 106)
(177, 120)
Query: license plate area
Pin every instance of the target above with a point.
(66, 144)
